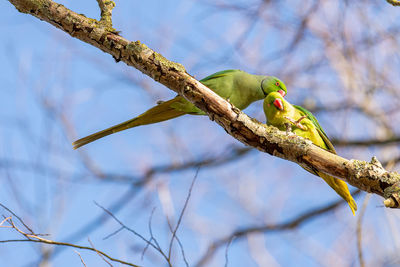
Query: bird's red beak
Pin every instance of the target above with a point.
(282, 93)
(278, 104)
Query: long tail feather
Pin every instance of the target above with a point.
(341, 188)
(161, 112)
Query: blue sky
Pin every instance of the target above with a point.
(56, 89)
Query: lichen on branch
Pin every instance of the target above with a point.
(106, 7)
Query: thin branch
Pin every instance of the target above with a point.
(182, 251)
(50, 242)
(31, 237)
(151, 233)
(16, 216)
(134, 232)
(98, 253)
(79, 254)
(106, 7)
(3, 221)
(227, 250)
(181, 216)
(113, 233)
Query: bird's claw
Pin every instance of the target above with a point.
(297, 123)
(301, 118)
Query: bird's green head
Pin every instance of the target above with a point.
(274, 101)
(272, 84)
(274, 107)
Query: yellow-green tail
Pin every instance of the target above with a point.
(159, 113)
(341, 188)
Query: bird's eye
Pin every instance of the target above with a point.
(277, 83)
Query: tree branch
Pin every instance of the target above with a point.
(370, 177)
(394, 2)
(106, 8)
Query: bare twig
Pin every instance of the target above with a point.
(50, 242)
(5, 220)
(79, 254)
(31, 237)
(182, 212)
(182, 251)
(98, 253)
(113, 233)
(16, 216)
(106, 7)
(156, 247)
(151, 234)
(174, 236)
(227, 250)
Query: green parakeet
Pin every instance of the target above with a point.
(279, 112)
(237, 86)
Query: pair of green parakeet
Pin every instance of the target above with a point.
(242, 89)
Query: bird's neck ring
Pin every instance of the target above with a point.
(262, 88)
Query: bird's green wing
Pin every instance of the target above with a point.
(218, 74)
(321, 132)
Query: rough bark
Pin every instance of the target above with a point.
(370, 177)
(394, 2)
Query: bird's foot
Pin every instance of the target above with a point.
(301, 118)
(297, 123)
